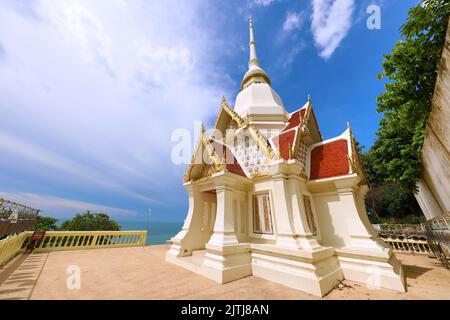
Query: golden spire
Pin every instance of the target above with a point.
(254, 61)
(254, 70)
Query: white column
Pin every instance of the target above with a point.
(226, 259)
(224, 231)
(358, 225)
(189, 238)
(292, 228)
(286, 236)
(301, 228)
(365, 258)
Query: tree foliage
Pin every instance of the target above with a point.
(411, 69)
(45, 224)
(90, 222)
(393, 164)
(388, 202)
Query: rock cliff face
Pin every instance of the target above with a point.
(434, 187)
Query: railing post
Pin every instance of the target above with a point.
(144, 238)
(66, 240)
(10, 247)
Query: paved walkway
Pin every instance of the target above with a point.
(142, 273)
(19, 278)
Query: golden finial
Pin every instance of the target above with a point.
(254, 69)
(254, 61)
(350, 132)
(203, 127)
(308, 111)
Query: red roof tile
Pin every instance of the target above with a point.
(284, 142)
(232, 163)
(330, 160)
(295, 119)
(236, 169)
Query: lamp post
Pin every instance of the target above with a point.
(148, 220)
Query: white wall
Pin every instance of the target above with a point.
(434, 188)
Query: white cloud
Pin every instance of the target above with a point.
(293, 21)
(89, 31)
(90, 92)
(261, 3)
(331, 21)
(158, 63)
(288, 57)
(20, 149)
(65, 208)
(288, 40)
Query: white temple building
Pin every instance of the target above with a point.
(269, 197)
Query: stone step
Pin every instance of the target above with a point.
(198, 257)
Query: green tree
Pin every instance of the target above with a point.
(45, 224)
(90, 222)
(388, 202)
(411, 69)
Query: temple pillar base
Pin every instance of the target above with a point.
(220, 264)
(376, 269)
(288, 241)
(313, 272)
(177, 249)
(227, 263)
(297, 242)
(174, 252)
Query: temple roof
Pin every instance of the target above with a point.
(300, 140)
(296, 118)
(336, 157)
(301, 127)
(271, 134)
(226, 155)
(284, 143)
(330, 160)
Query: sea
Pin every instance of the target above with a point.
(157, 232)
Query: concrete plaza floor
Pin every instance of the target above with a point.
(142, 273)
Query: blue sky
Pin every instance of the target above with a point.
(91, 91)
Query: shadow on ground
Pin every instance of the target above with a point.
(19, 278)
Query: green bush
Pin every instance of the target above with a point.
(45, 224)
(90, 222)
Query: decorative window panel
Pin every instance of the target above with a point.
(310, 215)
(262, 219)
(247, 142)
(302, 155)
